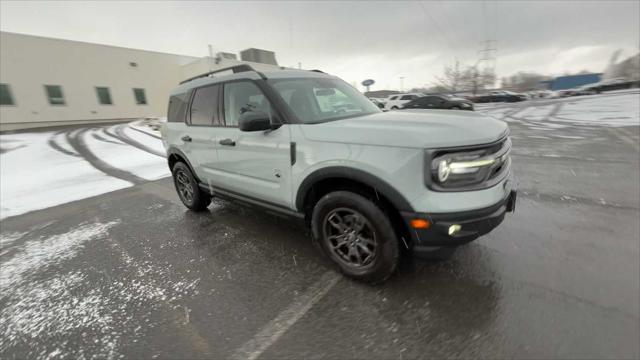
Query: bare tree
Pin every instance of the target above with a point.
(452, 78)
(475, 79)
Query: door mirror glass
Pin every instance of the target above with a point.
(254, 121)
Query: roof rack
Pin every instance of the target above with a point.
(234, 69)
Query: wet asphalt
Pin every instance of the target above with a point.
(558, 279)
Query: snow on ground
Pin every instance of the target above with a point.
(619, 110)
(43, 169)
(35, 176)
(125, 157)
(607, 109)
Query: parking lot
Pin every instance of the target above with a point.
(121, 269)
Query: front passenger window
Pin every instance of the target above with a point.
(240, 97)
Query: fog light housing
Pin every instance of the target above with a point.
(454, 229)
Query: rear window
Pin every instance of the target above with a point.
(177, 107)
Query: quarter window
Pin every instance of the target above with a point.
(240, 97)
(5, 95)
(104, 96)
(54, 94)
(141, 98)
(204, 107)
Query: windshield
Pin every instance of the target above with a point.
(316, 100)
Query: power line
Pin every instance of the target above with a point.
(449, 43)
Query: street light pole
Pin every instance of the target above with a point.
(401, 83)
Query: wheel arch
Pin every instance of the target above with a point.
(325, 180)
(174, 155)
(353, 176)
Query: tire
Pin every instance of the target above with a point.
(394, 108)
(370, 254)
(187, 188)
(455, 108)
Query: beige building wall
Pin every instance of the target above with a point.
(27, 63)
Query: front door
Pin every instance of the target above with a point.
(203, 120)
(254, 164)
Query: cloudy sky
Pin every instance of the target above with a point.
(354, 40)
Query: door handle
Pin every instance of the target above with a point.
(227, 142)
(186, 138)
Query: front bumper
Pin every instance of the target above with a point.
(473, 224)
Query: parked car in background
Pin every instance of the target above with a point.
(378, 103)
(500, 96)
(396, 101)
(439, 102)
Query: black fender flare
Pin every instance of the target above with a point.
(172, 150)
(381, 186)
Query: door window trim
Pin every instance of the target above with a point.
(187, 117)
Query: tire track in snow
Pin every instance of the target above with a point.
(54, 145)
(146, 133)
(77, 142)
(126, 139)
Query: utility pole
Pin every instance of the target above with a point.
(401, 83)
(487, 58)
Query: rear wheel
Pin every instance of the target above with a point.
(394, 108)
(188, 190)
(456, 108)
(356, 235)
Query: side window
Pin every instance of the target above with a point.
(104, 96)
(407, 97)
(204, 107)
(393, 98)
(54, 94)
(240, 97)
(177, 107)
(5, 95)
(141, 98)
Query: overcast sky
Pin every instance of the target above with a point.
(354, 40)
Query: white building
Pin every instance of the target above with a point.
(51, 82)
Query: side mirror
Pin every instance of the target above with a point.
(254, 121)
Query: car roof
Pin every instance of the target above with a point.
(249, 75)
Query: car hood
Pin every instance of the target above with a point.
(410, 128)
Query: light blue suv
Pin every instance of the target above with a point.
(368, 183)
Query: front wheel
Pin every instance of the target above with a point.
(188, 190)
(394, 108)
(356, 235)
(456, 108)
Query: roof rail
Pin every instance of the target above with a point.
(235, 69)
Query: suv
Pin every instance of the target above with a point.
(395, 102)
(368, 183)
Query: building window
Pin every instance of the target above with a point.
(5, 95)
(141, 98)
(104, 96)
(54, 94)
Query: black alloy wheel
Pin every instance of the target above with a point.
(350, 237)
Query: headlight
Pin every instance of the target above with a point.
(472, 168)
(443, 170)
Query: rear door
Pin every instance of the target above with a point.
(255, 164)
(203, 119)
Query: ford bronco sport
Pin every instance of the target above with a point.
(368, 183)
